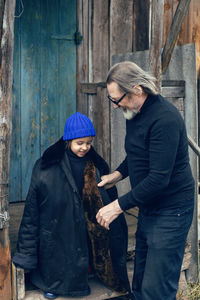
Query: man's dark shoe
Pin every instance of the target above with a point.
(50, 295)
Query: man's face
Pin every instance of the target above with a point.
(129, 105)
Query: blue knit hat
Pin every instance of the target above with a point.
(77, 126)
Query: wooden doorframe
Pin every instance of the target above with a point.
(7, 10)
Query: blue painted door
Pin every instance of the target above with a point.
(44, 83)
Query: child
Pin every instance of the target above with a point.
(59, 237)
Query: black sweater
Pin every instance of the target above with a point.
(157, 160)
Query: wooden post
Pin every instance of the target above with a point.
(18, 283)
(157, 12)
(180, 13)
(5, 134)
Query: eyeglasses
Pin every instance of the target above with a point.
(114, 101)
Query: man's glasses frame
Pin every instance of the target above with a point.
(118, 101)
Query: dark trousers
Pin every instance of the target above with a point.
(160, 245)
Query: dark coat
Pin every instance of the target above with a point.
(53, 233)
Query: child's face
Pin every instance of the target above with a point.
(81, 146)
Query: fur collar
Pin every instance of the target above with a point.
(55, 152)
(101, 259)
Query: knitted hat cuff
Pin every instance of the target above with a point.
(79, 134)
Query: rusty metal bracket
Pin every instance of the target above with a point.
(4, 219)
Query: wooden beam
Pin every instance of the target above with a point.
(91, 88)
(180, 13)
(173, 83)
(157, 12)
(6, 65)
(173, 92)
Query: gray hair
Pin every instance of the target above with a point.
(127, 75)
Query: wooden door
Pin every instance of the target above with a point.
(44, 83)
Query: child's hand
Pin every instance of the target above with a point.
(108, 213)
(110, 180)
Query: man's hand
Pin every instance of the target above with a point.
(108, 213)
(110, 180)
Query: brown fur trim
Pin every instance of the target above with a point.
(98, 235)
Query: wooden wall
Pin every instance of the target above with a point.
(108, 28)
(190, 30)
(119, 26)
(190, 33)
(111, 27)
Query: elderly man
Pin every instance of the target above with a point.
(162, 186)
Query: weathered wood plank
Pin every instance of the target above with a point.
(121, 35)
(91, 88)
(30, 83)
(167, 18)
(82, 55)
(2, 6)
(100, 38)
(190, 28)
(103, 137)
(5, 133)
(15, 151)
(121, 27)
(173, 92)
(157, 12)
(141, 25)
(18, 280)
(174, 83)
(180, 13)
(98, 108)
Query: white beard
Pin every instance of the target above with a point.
(129, 114)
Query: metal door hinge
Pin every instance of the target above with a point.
(77, 38)
(4, 219)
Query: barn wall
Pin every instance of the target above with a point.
(117, 27)
(110, 27)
